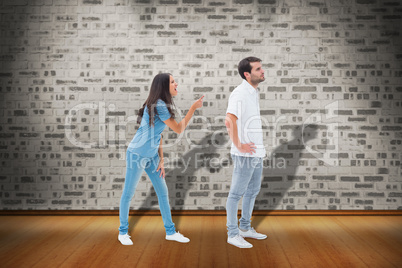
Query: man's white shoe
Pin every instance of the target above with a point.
(251, 233)
(125, 239)
(177, 237)
(239, 242)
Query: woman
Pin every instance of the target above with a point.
(145, 152)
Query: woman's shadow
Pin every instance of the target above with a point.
(280, 171)
(182, 177)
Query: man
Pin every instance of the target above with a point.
(243, 123)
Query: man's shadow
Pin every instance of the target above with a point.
(280, 171)
(182, 177)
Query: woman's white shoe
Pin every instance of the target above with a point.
(125, 239)
(177, 237)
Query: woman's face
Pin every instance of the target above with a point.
(172, 87)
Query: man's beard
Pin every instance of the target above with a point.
(258, 80)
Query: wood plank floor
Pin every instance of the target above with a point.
(293, 241)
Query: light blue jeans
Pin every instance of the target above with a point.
(246, 183)
(136, 165)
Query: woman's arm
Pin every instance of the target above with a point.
(161, 162)
(179, 127)
(160, 150)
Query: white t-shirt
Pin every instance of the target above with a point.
(244, 104)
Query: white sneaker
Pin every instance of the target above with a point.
(251, 233)
(125, 239)
(177, 237)
(239, 242)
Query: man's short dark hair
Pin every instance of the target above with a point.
(245, 66)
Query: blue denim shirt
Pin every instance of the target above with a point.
(146, 140)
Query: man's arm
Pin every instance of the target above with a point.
(231, 126)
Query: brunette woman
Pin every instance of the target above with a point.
(145, 152)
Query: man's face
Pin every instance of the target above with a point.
(257, 73)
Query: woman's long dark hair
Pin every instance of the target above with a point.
(159, 90)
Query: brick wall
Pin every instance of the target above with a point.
(74, 73)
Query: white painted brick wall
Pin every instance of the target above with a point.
(103, 55)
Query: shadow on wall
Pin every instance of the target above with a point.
(181, 179)
(279, 175)
(280, 169)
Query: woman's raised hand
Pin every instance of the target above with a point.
(179, 127)
(198, 103)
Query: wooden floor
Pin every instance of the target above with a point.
(293, 241)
